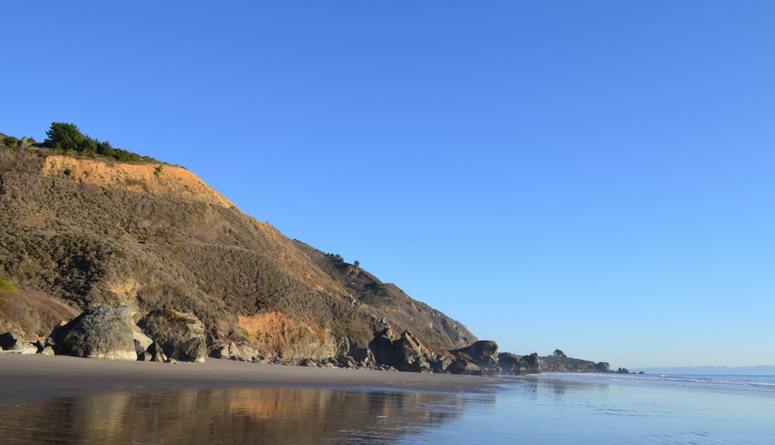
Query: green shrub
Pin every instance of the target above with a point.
(11, 142)
(335, 257)
(7, 286)
(67, 137)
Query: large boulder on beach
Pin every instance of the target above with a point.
(482, 352)
(181, 335)
(100, 332)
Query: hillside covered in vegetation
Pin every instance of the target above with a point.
(84, 224)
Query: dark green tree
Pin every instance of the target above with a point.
(68, 137)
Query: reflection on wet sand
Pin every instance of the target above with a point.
(265, 415)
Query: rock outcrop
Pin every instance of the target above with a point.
(404, 353)
(528, 364)
(142, 342)
(482, 358)
(482, 353)
(464, 366)
(180, 335)
(154, 353)
(10, 342)
(100, 332)
(562, 363)
(236, 351)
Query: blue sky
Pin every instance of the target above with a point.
(593, 176)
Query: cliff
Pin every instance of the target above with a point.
(78, 232)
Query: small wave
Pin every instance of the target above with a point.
(747, 383)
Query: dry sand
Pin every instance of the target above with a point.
(34, 376)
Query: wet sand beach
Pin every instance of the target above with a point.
(34, 376)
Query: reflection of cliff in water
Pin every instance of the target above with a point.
(266, 415)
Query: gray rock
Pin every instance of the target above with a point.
(8, 341)
(181, 335)
(141, 353)
(508, 362)
(528, 364)
(603, 367)
(27, 348)
(236, 351)
(405, 352)
(410, 355)
(440, 364)
(39, 344)
(485, 351)
(482, 353)
(309, 363)
(56, 332)
(47, 350)
(463, 366)
(382, 346)
(143, 340)
(155, 353)
(101, 332)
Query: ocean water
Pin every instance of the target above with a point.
(547, 409)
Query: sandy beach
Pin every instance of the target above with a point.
(27, 377)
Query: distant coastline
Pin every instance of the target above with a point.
(712, 370)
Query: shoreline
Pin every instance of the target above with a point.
(26, 377)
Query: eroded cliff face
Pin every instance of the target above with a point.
(154, 178)
(76, 233)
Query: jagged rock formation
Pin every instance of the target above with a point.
(482, 357)
(516, 364)
(404, 353)
(180, 335)
(385, 300)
